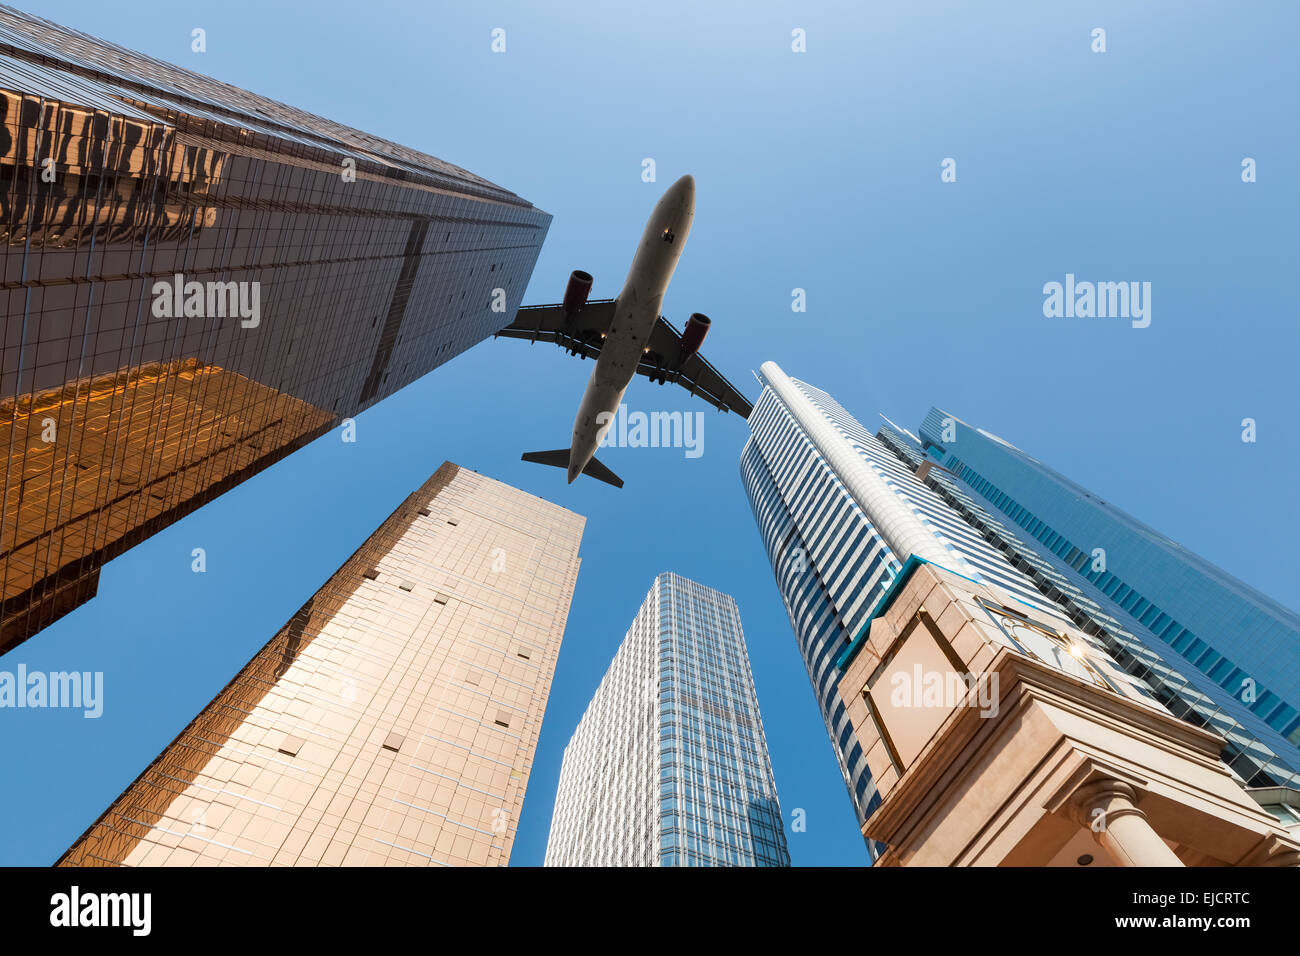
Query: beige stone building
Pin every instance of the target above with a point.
(392, 721)
(998, 734)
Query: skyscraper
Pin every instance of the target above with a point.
(839, 515)
(669, 764)
(198, 281)
(840, 512)
(392, 720)
(1238, 649)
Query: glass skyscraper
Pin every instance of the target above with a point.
(840, 510)
(198, 281)
(840, 514)
(1236, 652)
(392, 721)
(668, 765)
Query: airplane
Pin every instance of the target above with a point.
(627, 335)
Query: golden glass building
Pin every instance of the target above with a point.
(392, 721)
(196, 281)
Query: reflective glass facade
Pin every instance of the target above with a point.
(1238, 649)
(839, 513)
(392, 721)
(196, 281)
(669, 764)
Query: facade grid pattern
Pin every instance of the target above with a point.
(332, 268)
(392, 721)
(669, 765)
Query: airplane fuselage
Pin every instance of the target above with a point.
(636, 310)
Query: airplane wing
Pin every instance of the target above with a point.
(578, 335)
(662, 362)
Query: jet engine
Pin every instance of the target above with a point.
(576, 292)
(697, 326)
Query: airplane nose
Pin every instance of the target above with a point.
(685, 187)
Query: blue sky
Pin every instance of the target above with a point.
(818, 171)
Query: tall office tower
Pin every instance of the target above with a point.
(669, 765)
(1216, 651)
(197, 281)
(840, 515)
(392, 721)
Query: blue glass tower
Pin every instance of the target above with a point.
(668, 765)
(1237, 647)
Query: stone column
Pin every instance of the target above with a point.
(1120, 827)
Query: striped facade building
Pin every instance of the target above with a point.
(839, 514)
(840, 510)
(668, 765)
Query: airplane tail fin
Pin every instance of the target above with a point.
(596, 470)
(559, 458)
